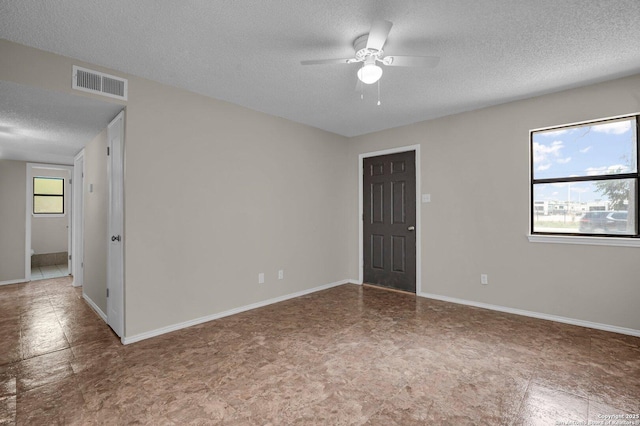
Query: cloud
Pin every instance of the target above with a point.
(615, 128)
(554, 133)
(543, 152)
(540, 151)
(616, 168)
(585, 150)
(563, 160)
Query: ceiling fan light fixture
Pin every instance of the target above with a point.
(369, 73)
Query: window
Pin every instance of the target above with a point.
(48, 195)
(584, 179)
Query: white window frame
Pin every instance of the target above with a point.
(64, 198)
(575, 239)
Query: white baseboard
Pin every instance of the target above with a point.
(565, 320)
(168, 329)
(21, 280)
(94, 306)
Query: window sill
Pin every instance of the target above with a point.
(594, 241)
(36, 215)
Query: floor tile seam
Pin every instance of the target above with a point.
(20, 348)
(71, 377)
(62, 328)
(521, 405)
(561, 389)
(47, 353)
(50, 296)
(64, 333)
(68, 364)
(593, 400)
(21, 340)
(8, 364)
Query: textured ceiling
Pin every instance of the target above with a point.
(48, 127)
(248, 51)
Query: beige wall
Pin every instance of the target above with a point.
(216, 194)
(95, 199)
(476, 167)
(51, 234)
(13, 188)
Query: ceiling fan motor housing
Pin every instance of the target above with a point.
(362, 53)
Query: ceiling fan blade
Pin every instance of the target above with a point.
(411, 61)
(378, 34)
(325, 61)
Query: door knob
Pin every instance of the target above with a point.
(115, 238)
(411, 228)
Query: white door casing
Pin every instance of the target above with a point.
(115, 265)
(77, 228)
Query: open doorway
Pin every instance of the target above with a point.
(48, 221)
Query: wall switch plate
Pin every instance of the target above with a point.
(90, 187)
(426, 198)
(261, 278)
(281, 274)
(484, 279)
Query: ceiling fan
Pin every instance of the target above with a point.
(369, 52)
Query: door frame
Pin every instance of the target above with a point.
(115, 261)
(29, 214)
(77, 229)
(361, 157)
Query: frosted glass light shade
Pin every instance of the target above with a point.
(369, 73)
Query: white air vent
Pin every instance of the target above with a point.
(99, 83)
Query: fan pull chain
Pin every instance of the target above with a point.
(378, 92)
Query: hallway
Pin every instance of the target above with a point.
(48, 272)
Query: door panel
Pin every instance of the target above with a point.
(377, 251)
(398, 203)
(389, 215)
(377, 202)
(115, 266)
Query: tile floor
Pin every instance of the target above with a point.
(46, 272)
(347, 355)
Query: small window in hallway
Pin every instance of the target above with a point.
(48, 195)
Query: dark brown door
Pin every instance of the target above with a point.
(389, 221)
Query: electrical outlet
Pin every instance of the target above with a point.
(484, 279)
(261, 278)
(281, 274)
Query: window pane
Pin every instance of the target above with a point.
(599, 149)
(591, 207)
(50, 204)
(53, 186)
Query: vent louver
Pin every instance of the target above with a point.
(99, 83)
